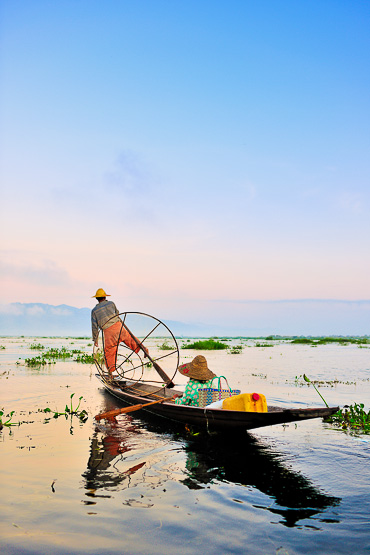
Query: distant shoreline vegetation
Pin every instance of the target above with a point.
(328, 340)
(217, 343)
(208, 344)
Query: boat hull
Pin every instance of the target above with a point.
(211, 419)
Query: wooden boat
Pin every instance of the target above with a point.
(133, 393)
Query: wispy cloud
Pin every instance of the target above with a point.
(130, 175)
(47, 273)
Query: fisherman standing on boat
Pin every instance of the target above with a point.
(105, 316)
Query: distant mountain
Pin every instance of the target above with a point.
(38, 319)
(44, 319)
(236, 318)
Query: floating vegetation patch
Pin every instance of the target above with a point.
(352, 417)
(85, 358)
(236, 350)
(63, 352)
(37, 361)
(263, 345)
(2, 347)
(328, 340)
(321, 383)
(206, 345)
(166, 347)
(68, 411)
(50, 356)
(7, 422)
(37, 346)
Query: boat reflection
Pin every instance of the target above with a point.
(244, 460)
(108, 446)
(237, 459)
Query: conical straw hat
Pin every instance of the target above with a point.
(197, 369)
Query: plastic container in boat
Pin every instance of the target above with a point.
(248, 402)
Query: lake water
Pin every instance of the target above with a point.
(138, 486)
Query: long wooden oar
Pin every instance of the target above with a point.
(169, 383)
(116, 412)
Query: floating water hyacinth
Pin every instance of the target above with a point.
(69, 411)
(8, 422)
(353, 417)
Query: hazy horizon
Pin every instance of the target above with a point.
(250, 318)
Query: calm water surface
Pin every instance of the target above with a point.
(138, 486)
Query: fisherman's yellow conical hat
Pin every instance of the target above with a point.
(100, 293)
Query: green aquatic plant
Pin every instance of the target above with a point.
(52, 354)
(236, 350)
(306, 379)
(85, 358)
(2, 347)
(69, 410)
(63, 353)
(165, 346)
(37, 346)
(206, 345)
(37, 361)
(8, 422)
(352, 417)
(323, 383)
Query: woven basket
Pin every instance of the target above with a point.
(209, 395)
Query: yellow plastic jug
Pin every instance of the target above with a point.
(248, 402)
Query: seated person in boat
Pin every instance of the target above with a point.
(199, 376)
(105, 316)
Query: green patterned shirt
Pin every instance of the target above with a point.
(191, 395)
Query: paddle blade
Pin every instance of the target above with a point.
(125, 410)
(116, 412)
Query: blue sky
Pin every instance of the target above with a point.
(184, 153)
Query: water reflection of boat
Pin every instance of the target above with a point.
(235, 458)
(241, 459)
(133, 393)
(108, 445)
